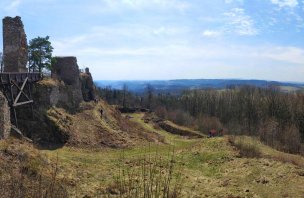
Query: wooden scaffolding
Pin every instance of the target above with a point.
(17, 88)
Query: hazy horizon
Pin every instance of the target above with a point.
(299, 82)
(172, 39)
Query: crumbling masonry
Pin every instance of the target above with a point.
(15, 52)
(67, 70)
(87, 86)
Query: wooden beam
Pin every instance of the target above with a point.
(23, 103)
(20, 91)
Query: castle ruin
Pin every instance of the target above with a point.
(15, 51)
(66, 69)
(87, 86)
(68, 90)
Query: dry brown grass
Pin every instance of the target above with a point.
(246, 149)
(170, 126)
(249, 146)
(100, 125)
(295, 160)
(49, 82)
(179, 130)
(147, 176)
(25, 173)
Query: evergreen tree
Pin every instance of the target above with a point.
(40, 54)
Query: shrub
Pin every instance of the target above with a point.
(147, 177)
(206, 123)
(26, 180)
(181, 117)
(161, 112)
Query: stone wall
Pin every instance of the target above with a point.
(15, 51)
(87, 86)
(67, 70)
(53, 93)
(67, 93)
(5, 122)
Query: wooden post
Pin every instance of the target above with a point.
(17, 89)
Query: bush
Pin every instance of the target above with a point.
(181, 117)
(161, 112)
(206, 123)
(148, 177)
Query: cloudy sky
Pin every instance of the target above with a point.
(172, 39)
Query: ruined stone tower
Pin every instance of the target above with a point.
(87, 86)
(66, 69)
(15, 52)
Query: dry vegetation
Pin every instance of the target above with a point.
(24, 172)
(170, 126)
(149, 175)
(277, 118)
(246, 148)
(210, 167)
(234, 166)
(99, 125)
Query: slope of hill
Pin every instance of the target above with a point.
(99, 125)
(203, 167)
(179, 85)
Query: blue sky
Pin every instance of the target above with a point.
(172, 39)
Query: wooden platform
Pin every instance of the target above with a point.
(7, 77)
(17, 89)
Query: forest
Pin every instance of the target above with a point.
(276, 117)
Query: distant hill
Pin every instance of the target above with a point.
(176, 86)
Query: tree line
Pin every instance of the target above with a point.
(275, 117)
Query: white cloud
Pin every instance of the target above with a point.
(151, 4)
(145, 61)
(80, 47)
(124, 37)
(211, 33)
(291, 55)
(240, 23)
(13, 6)
(286, 3)
(234, 1)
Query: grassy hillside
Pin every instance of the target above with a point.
(99, 125)
(26, 172)
(202, 167)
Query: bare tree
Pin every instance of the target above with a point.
(124, 92)
(149, 94)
